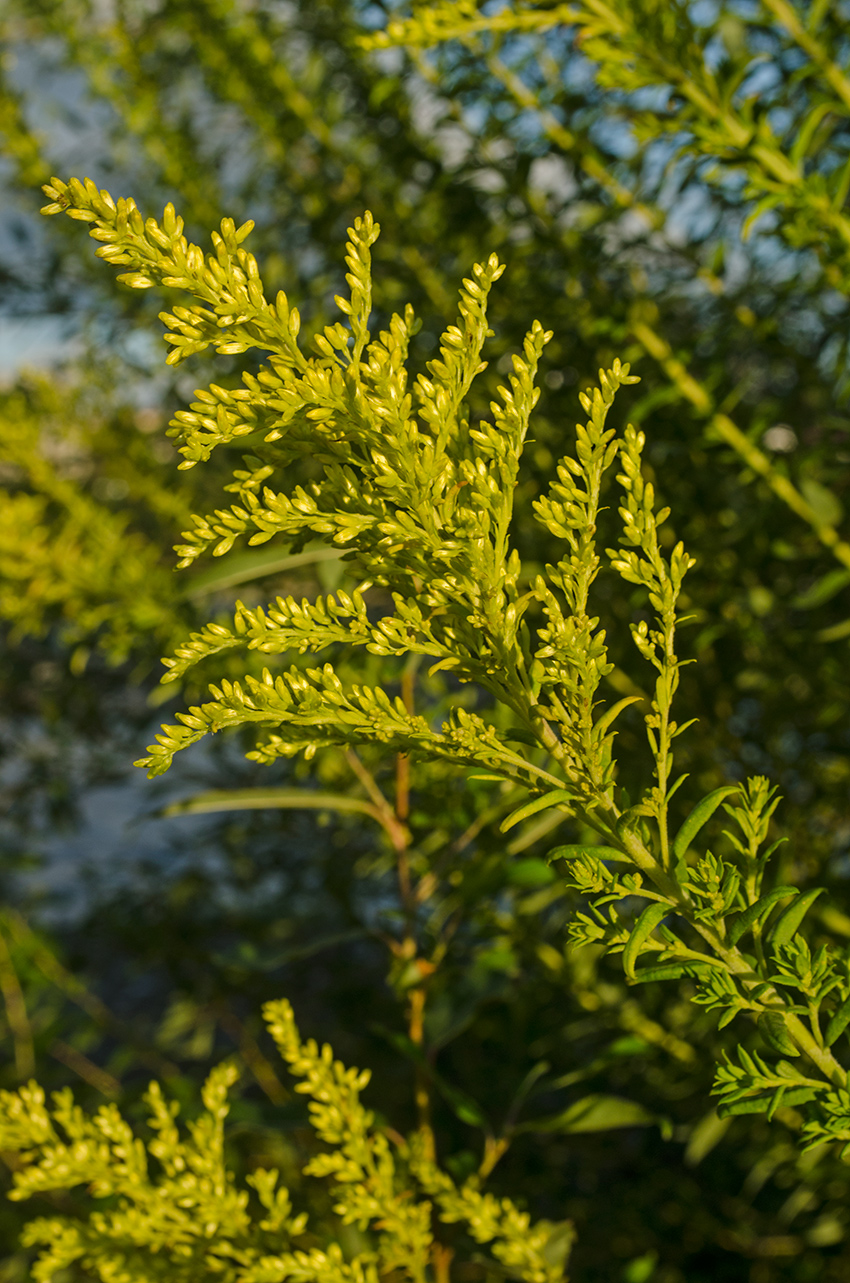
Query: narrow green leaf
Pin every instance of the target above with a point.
(757, 911)
(533, 832)
(838, 1023)
(808, 129)
(240, 960)
(707, 1133)
(839, 186)
(827, 507)
(255, 565)
(749, 1105)
(645, 925)
(834, 633)
(558, 797)
(595, 1113)
(823, 590)
(762, 207)
(558, 1246)
(260, 799)
(699, 816)
(611, 715)
(670, 971)
(520, 735)
(573, 851)
(463, 1105)
(772, 1029)
(799, 1096)
(788, 922)
(674, 788)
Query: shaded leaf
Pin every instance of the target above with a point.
(825, 505)
(788, 923)
(255, 565)
(757, 911)
(596, 1113)
(558, 797)
(271, 798)
(822, 590)
(574, 851)
(643, 928)
(699, 816)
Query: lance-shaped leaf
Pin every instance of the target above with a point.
(596, 1113)
(558, 797)
(671, 971)
(255, 565)
(838, 1023)
(698, 817)
(788, 922)
(747, 920)
(464, 1106)
(272, 799)
(576, 850)
(649, 919)
(773, 1029)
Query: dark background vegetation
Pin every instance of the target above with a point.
(140, 944)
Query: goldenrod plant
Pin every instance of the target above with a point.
(496, 131)
(698, 89)
(237, 61)
(172, 1208)
(74, 552)
(710, 108)
(420, 497)
(407, 496)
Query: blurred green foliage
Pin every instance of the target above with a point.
(612, 156)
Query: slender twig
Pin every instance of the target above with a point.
(104, 1082)
(249, 1050)
(16, 1013)
(73, 988)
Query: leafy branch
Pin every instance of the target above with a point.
(170, 1208)
(420, 494)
